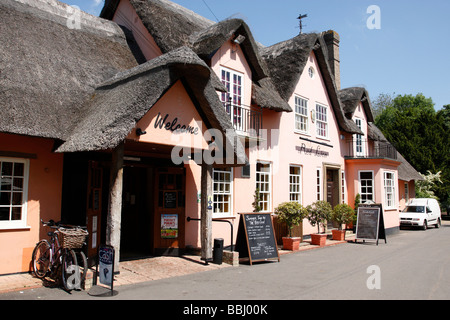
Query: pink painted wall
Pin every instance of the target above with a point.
(126, 16)
(44, 200)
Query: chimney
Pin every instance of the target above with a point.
(332, 40)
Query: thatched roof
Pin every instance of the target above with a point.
(120, 102)
(173, 26)
(351, 97)
(47, 71)
(84, 87)
(286, 62)
(406, 171)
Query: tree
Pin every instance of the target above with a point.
(421, 135)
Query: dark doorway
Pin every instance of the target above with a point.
(332, 191)
(136, 239)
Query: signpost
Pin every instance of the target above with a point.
(370, 223)
(256, 238)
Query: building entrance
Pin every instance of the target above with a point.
(136, 238)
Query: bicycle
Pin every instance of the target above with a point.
(56, 256)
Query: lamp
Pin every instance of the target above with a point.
(139, 132)
(239, 39)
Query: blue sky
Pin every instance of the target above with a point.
(408, 54)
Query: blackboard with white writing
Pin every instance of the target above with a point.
(256, 238)
(370, 223)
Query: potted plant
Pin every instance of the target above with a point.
(292, 213)
(257, 201)
(342, 213)
(318, 214)
(355, 213)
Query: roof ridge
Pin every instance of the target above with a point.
(66, 15)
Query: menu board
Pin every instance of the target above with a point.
(256, 238)
(370, 223)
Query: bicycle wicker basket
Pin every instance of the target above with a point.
(72, 238)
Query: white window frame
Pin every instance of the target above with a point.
(361, 186)
(295, 184)
(264, 184)
(359, 143)
(22, 223)
(235, 106)
(301, 119)
(344, 187)
(322, 120)
(319, 188)
(389, 189)
(222, 192)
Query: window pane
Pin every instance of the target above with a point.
(16, 213)
(17, 198)
(18, 169)
(5, 198)
(18, 184)
(7, 168)
(4, 214)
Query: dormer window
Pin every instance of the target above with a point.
(232, 99)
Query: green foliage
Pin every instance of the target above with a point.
(421, 135)
(292, 213)
(424, 189)
(319, 213)
(342, 213)
(256, 201)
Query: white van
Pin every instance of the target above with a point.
(421, 213)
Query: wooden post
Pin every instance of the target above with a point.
(206, 214)
(115, 203)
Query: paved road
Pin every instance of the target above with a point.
(414, 264)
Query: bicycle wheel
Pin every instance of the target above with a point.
(70, 274)
(41, 258)
(83, 267)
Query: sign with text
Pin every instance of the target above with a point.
(370, 223)
(169, 226)
(256, 238)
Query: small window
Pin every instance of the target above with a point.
(13, 192)
(366, 186)
(301, 114)
(222, 192)
(311, 72)
(264, 184)
(295, 184)
(389, 189)
(321, 121)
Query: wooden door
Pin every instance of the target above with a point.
(170, 214)
(94, 207)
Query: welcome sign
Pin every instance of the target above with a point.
(173, 121)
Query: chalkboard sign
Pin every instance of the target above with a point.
(256, 238)
(370, 223)
(170, 200)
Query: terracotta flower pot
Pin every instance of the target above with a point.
(318, 239)
(292, 244)
(338, 235)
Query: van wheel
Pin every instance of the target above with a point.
(425, 226)
(438, 224)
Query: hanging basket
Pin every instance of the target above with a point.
(72, 238)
